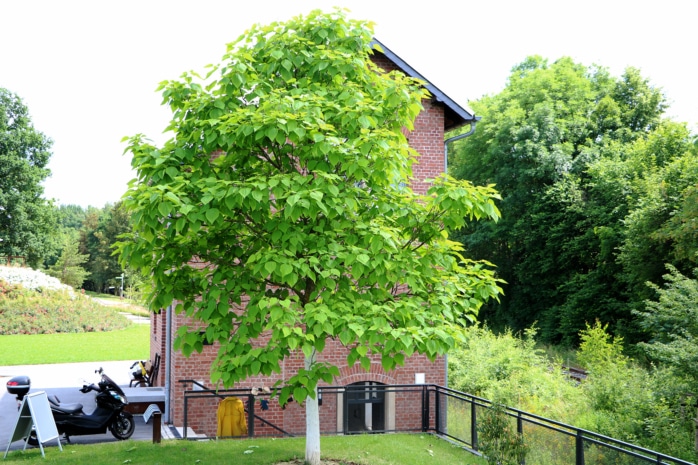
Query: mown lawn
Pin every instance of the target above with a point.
(132, 343)
(374, 449)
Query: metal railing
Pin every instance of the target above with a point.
(448, 413)
(547, 441)
(202, 392)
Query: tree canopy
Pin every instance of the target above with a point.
(26, 219)
(596, 188)
(280, 215)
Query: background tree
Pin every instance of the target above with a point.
(100, 231)
(72, 216)
(27, 220)
(69, 267)
(285, 179)
(671, 318)
(583, 162)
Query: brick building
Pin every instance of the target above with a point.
(387, 410)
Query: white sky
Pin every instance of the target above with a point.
(88, 70)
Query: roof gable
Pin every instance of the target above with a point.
(456, 115)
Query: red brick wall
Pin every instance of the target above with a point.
(427, 138)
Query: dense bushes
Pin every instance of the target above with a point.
(23, 311)
(651, 407)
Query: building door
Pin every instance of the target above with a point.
(364, 407)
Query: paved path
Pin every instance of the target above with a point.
(130, 316)
(65, 380)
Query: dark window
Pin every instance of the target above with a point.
(364, 407)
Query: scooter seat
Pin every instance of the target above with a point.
(69, 409)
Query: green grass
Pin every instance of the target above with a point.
(132, 343)
(375, 449)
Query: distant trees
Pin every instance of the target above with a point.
(99, 232)
(69, 267)
(85, 257)
(27, 220)
(598, 193)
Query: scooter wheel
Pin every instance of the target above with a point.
(123, 426)
(32, 440)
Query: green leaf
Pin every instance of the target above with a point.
(285, 269)
(164, 208)
(212, 214)
(172, 172)
(365, 363)
(300, 394)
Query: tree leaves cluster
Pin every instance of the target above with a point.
(598, 193)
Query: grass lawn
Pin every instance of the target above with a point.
(132, 343)
(374, 449)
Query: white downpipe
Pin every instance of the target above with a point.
(312, 422)
(168, 361)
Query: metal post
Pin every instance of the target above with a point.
(157, 427)
(345, 415)
(250, 415)
(186, 410)
(473, 424)
(437, 413)
(425, 409)
(519, 430)
(579, 448)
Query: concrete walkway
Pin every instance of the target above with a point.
(64, 381)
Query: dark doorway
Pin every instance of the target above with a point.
(364, 407)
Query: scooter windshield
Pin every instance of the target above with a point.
(110, 384)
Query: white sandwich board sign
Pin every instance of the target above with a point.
(35, 414)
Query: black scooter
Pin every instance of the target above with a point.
(71, 420)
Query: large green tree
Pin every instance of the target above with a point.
(27, 220)
(565, 145)
(287, 176)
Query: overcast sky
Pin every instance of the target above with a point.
(88, 70)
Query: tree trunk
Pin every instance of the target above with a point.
(312, 423)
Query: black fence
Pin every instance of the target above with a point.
(547, 441)
(453, 415)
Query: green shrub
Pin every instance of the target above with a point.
(648, 406)
(30, 312)
(513, 371)
(644, 406)
(11, 291)
(500, 443)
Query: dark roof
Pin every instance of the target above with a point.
(455, 114)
